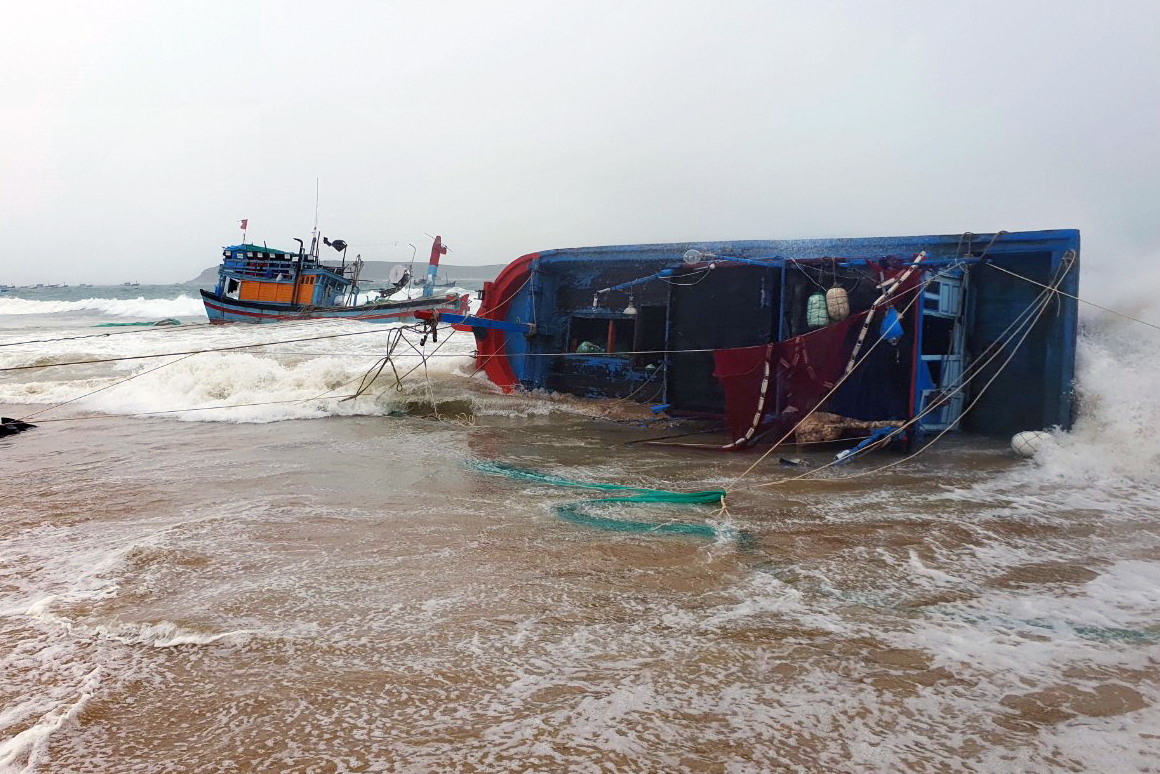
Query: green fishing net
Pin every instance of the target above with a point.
(576, 513)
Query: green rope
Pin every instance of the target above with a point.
(574, 512)
(645, 495)
(571, 512)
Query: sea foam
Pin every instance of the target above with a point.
(140, 307)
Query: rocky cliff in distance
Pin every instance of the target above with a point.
(376, 271)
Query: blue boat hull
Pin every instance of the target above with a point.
(652, 323)
(227, 310)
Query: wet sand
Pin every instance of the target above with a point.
(349, 594)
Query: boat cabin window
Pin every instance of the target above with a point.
(601, 335)
(650, 334)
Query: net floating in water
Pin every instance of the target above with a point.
(575, 512)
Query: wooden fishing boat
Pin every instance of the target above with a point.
(921, 334)
(259, 284)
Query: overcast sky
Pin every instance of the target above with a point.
(135, 135)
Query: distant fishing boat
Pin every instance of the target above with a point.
(440, 283)
(259, 284)
(886, 336)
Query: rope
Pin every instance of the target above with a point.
(379, 364)
(480, 366)
(360, 391)
(917, 295)
(766, 378)
(704, 273)
(657, 439)
(332, 354)
(199, 408)
(645, 383)
(993, 350)
(1042, 308)
(543, 354)
(167, 328)
(193, 351)
(1076, 298)
(99, 389)
(806, 274)
(367, 379)
(382, 363)
(1040, 304)
(426, 373)
(887, 293)
(320, 396)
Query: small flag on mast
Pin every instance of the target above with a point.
(245, 223)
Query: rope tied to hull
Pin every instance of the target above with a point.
(377, 368)
(916, 294)
(1019, 328)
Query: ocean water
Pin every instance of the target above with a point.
(222, 562)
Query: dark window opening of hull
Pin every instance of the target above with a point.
(601, 335)
(937, 335)
(650, 335)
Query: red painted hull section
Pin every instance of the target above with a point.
(491, 354)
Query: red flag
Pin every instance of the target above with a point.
(245, 223)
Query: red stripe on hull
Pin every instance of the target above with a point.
(280, 317)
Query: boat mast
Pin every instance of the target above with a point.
(314, 233)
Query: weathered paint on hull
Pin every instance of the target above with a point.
(223, 310)
(555, 294)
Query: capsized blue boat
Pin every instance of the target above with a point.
(921, 333)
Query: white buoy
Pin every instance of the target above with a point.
(1027, 443)
(837, 304)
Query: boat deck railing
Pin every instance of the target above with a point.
(251, 268)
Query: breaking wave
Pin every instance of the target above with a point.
(243, 387)
(1114, 435)
(149, 308)
(319, 365)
